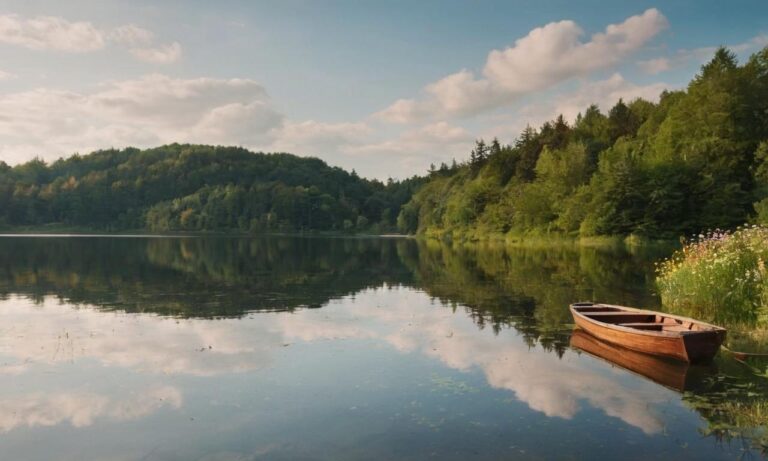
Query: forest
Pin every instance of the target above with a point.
(196, 188)
(696, 160)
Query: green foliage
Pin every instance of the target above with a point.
(720, 277)
(196, 188)
(695, 160)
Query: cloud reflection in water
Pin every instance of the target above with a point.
(53, 334)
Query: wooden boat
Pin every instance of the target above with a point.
(650, 332)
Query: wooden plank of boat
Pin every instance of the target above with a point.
(650, 332)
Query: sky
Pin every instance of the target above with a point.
(382, 87)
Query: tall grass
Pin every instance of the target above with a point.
(720, 277)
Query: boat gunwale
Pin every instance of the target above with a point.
(657, 334)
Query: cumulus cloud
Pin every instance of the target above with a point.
(545, 57)
(364, 147)
(655, 66)
(414, 141)
(697, 56)
(157, 109)
(163, 54)
(59, 34)
(141, 112)
(413, 150)
(756, 42)
(316, 138)
(555, 52)
(131, 35)
(603, 93)
(50, 33)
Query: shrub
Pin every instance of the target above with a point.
(719, 277)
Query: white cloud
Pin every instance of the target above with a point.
(545, 57)
(655, 66)
(461, 93)
(698, 56)
(247, 124)
(311, 137)
(754, 43)
(603, 93)
(157, 109)
(143, 112)
(413, 150)
(59, 34)
(131, 35)
(555, 52)
(173, 101)
(413, 142)
(661, 64)
(50, 33)
(161, 55)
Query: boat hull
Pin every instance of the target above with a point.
(688, 346)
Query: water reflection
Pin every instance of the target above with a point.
(457, 351)
(55, 336)
(197, 277)
(673, 374)
(82, 409)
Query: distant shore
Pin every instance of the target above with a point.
(140, 233)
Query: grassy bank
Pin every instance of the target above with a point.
(542, 239)
(721, 277)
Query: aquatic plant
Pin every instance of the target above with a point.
(720, 277)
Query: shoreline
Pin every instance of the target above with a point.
(36, 233)
(535, 240)
(446, 238)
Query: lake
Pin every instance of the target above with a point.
(291, 348)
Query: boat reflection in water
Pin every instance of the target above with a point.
(650, 332)
(673, 374)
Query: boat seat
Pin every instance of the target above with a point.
(620, 317)
(610, 314)
(644, 325)
(586, 309)
(657, 326)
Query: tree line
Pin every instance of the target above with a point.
(197, 188)
(697, 159)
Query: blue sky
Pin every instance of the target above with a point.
(385, 88)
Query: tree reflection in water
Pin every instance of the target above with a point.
(523, 289)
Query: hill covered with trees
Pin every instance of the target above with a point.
(196, 188)
(697, 159)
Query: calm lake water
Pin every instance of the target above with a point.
(286, 348)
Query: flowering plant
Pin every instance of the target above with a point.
(719, 276)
